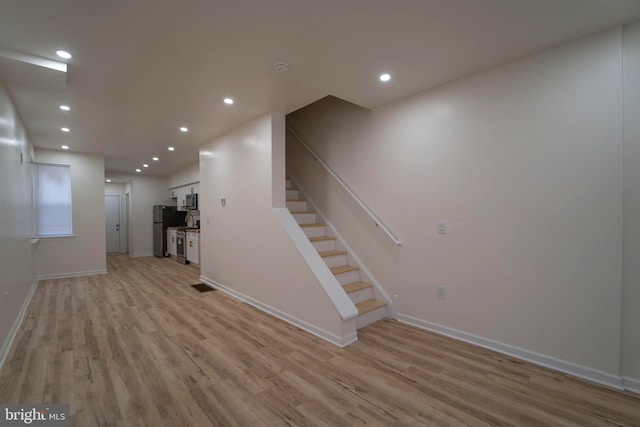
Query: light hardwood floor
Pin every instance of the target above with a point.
(138, 347)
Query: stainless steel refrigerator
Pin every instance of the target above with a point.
(164, 217)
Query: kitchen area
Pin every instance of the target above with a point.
(176, 228)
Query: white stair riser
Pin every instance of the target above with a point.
(297, 206)
(348, 277)
(371, 317)
(361, 295)
(335, 261)
(325, 245)
(305, 218)
(314, 231)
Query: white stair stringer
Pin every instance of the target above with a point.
(369, 297)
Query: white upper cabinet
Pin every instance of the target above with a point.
(182, 199)
(180, 194)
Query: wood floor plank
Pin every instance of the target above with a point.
(140, 347)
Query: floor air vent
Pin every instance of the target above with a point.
(201, 287)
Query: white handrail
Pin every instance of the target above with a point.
(375, 219)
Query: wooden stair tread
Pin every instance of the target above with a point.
(314, 224)
(344, 269)
(302, 212)
(296, 200)
(321, 238)
(369, 305)
(325, 254)
(356, 286)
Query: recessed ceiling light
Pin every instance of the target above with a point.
(228, 101)
(108, 180)
(184, 129)
(170, 148)
(281, 67)
(64, 129)
(64, 147)
(65, 107)
(155, 159)
(385, 77)
(138, 170)
(63, 54)
(145, 165)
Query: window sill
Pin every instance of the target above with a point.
(50, 236)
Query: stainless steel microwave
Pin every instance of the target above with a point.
(192, 202)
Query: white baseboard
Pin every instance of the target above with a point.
(631, 384)
(141, 254)
(574, 369)
(6, 345)
(72, 274)
(320, 333)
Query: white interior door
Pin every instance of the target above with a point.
(112, 220)
(124, 223)
(129, 216)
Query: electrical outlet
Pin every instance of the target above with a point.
(442, 227)
(442, 292)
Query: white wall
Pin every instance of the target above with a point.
(524, 161)
(114, 188)
(186, 175)
(631, 266)
(84, 252)
(243, 245)
(17, 263)
(144, 192)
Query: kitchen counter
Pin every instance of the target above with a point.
(184, 228)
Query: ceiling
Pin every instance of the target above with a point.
(143, 68)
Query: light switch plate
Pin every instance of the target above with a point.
(442, 227)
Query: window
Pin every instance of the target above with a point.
(52, 189)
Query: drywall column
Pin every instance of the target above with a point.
(631, 171)
(244, 248)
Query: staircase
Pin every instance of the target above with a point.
(348, 274)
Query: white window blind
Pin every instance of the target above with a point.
(52, 200)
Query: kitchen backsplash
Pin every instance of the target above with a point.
(193, 216)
